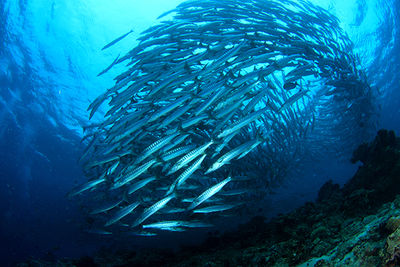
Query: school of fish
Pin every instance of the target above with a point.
(217, 104)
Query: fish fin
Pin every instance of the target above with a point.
(166, 13)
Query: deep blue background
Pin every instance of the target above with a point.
(44, 92)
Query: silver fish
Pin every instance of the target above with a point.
(122, 213)
(166, 225)
(107, 207)
(227, 157)
(109, 67)
(153, 209)
(157, 145)
(209, 193)
(215, 208)
(241, 123)
(189, 157)
(138, 185)
(124, 179)
(264, 83)
(86, 186)
(185, 175)
(117, 40)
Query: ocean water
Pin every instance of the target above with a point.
(50, 55)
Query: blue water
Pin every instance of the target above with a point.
(50, 54)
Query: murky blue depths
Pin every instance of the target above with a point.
(49, 57)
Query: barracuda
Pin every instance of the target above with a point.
(138, 185)
(107, 207)
(265, 83)
(209, 193)
(152, 209)
(167, 225)
(185, 175)
(242, 123)
(86, 186)
(227, 157)
(122, 213)
(189, 157)
(154, 147)
(124, 179)
(215, 208)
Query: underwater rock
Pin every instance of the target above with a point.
(393, 223)
(384, 141)
(360, 154)
(393, 246)
(380, 174)
(395, 258)
(85, 262)
(327, 191)
(393, 242)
